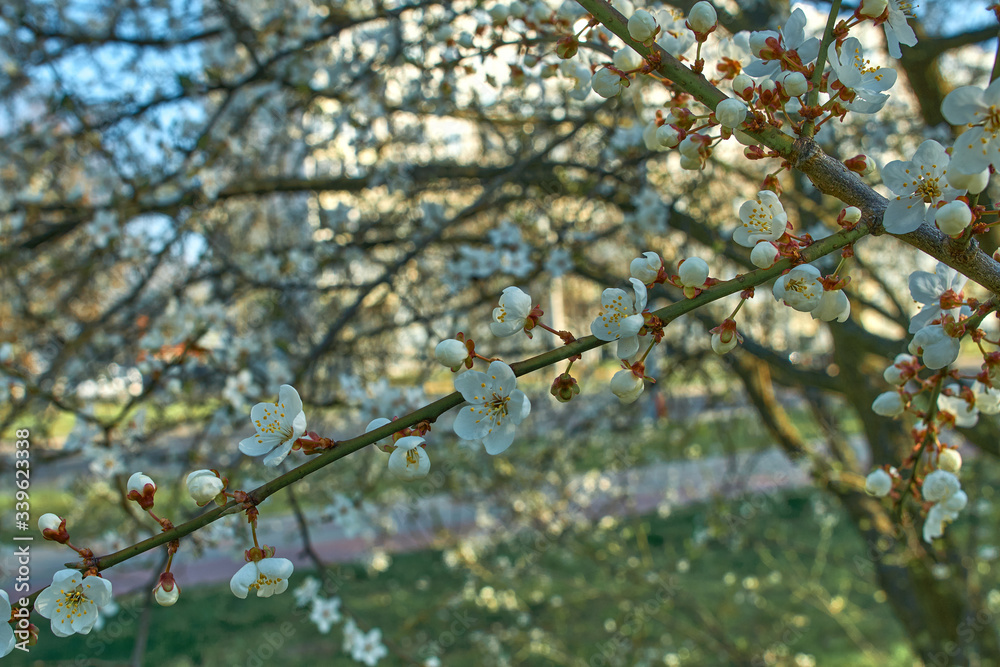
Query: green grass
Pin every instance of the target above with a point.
(563, 599)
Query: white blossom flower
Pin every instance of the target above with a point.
(927, 288)
(368, 647)
(939, 485)
(987, 398)
(509, 318)
(979, 146)
(646, 268)
(937, 517)
(878, 483)
(627, 386)
(6, 631)
(607, 83)
(868, 82)
(937, 348)
(267, 576)
(324, 613)
(916, 183)
(278, 426)
(307, 591)
(204, 486)
(792, 37)
(762, 218)
(409, 460)
(833, 305)
(580, 74)
(621, 318)
(888, 404)
(897, 30)
(351, 635)
(965, 416)
(559, 262)
(496, 406)
(800, 288)
(72, 602)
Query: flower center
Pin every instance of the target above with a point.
(760, 219)
(800, 286)
(928, 189)
(71, 602)
(264, 581)
(992, 124)
(864, 66)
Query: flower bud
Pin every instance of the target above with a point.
(743, 85)
(878, 483)
(693, 272)
(795, 84)
(758, 42)
(956, 502)
(564, 388)
(626, 386)
(498, 12)
(141, 488)
(950, 460)
(166, 591)
(721, 347)
(873, 8)
(691, 163)
(731, 112)
(53, 528)
(888, 404)
(642, 26)
(703, 17)
(973, 183)
(451, 353)
(645, 269)
(764, 255)
(667, 136)
(626, 59)
(567, 47)
(204, 486)
(852, 214)
(894, 374)
(607, 83)
(939, 485)
(953, 217)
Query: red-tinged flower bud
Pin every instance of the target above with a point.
(166, 592)
(53, 528)
(564, 388)
(567, 47)
(141, 489)
(860, 164)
